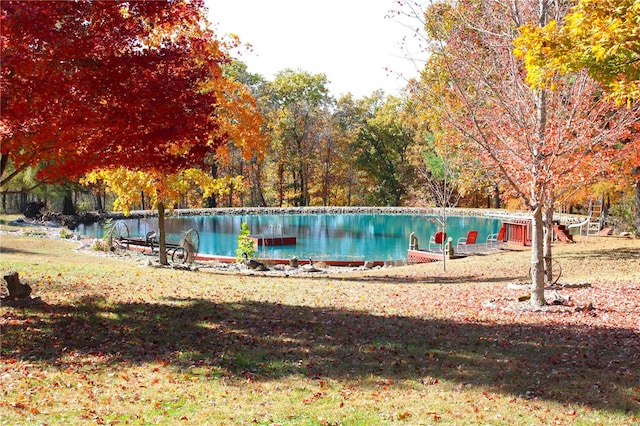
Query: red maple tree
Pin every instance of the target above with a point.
(89, 85)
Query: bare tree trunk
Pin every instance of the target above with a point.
(548, 237)
(98, 200)
(538, 190)
(537, 264)
(257, 193)
(280, 184)
(162, 236)
(67, 203)
(24, 199)
(496, 197)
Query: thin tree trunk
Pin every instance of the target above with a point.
(67, 204)
(496, 197)
(98, 200)
(538, 190)
(280, 184)
(548, 237)
(212, 200)
(162, 239)
(259, 199)
(537, 264)
(4, 161)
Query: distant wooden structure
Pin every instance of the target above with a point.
(596, 218)
(562, 233)
(270, 240)
(518, 231)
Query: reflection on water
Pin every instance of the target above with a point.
(319, 236)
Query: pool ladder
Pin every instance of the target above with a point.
(274, 232)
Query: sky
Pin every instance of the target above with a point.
(350, 41)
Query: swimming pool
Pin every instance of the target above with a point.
(328, 236)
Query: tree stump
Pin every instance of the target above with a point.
(19, 293)
(17, 290)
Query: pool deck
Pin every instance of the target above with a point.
(424, 256)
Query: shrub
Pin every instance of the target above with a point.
(622, 214)
(105, 243)
(245, 244)
(100, 245)
(35, 233)
(65, 234)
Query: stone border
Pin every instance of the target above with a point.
(432, 211)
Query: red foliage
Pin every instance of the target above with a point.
(90, 85)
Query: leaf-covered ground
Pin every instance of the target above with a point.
(118, 342)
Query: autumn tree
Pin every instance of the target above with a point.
(626, 165)
(248, 144)
(347, 119)
(296, 99)
(383, 144)
(164, 190)
(323, 184)
(133, 85)
(473, 85)
(123, 85)
(600, 37)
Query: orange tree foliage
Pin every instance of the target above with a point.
(242, 121)
(600, 36)
(89, 85)
(540, 141)
(603, 38)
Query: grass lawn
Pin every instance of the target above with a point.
(118, 342)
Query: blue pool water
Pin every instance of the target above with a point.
(357, 237)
